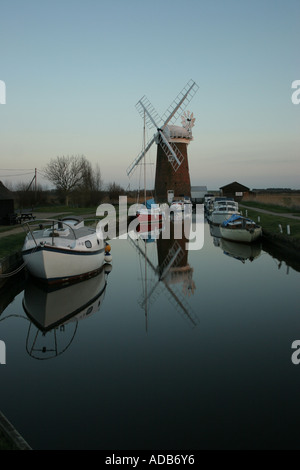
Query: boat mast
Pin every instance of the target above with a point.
(146, 294)
(144, 157)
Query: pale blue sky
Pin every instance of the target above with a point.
(74, 70)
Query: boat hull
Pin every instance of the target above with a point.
(241, 235)
(54, 264)
(148, 218)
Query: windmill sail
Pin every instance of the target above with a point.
(153, 120)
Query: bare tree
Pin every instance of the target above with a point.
(67, 173)
(114, 190)
(97, 180)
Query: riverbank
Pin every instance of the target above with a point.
(279, 228)
(10, 439)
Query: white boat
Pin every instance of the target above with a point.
(223, 210)
(63, 250)
(177, 206)
(184, 206)
(240, 229)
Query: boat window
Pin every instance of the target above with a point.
(88, 244)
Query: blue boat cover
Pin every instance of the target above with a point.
(149, 202)
(231, 219)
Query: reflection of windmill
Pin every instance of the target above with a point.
(172, 170)
(164, 273)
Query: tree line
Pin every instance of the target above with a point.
(76, 183)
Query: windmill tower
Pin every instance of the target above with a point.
(172, 169)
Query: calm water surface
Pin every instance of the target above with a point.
(192, 356)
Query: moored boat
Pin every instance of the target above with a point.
(64, 250)
(223, 210)
(240, 229)
(149, 213)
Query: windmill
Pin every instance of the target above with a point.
(172, 171)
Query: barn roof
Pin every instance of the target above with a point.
(198, 188)
(4, 192)
(235, 184)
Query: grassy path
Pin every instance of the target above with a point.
(275, 223)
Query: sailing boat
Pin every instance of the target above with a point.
(150, 213)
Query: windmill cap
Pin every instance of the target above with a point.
(178, 132)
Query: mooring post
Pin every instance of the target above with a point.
(2, 353)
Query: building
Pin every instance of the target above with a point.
(6, 205)
(198, 193)
(166, 177)
(234, 190)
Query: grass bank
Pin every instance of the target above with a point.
(11, 244)
(275, 228)
(272, 208)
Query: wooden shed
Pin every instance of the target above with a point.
(7, 206)
(234, 190)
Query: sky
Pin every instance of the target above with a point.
(75, 69)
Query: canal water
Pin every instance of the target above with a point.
(168, 349)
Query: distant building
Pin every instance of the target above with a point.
(6, 205)
(197, 194)
(234, 190)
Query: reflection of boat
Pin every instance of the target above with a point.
(223, 211)
(55, 312)
(215, 233)
(50, 307)
(240, 229)
(63, 249)
(241, 251)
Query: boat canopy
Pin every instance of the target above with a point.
(231, 219)
(149, 203)
(235, 217)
